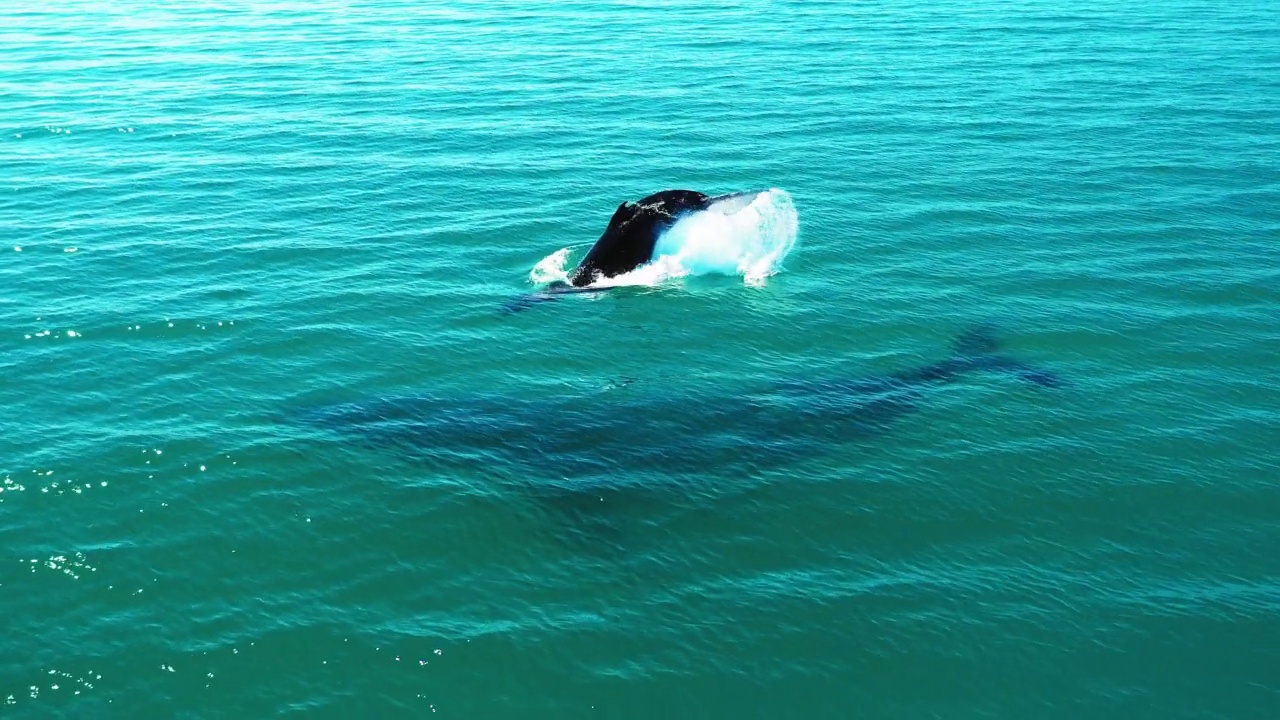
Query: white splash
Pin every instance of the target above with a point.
(743, 235)
(551, 268)
(747, 235)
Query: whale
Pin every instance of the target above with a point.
(629, 239)
(570, 449)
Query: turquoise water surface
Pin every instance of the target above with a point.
(996, 438)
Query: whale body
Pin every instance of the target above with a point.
(629, 240)
(633, 231)
(570, 450)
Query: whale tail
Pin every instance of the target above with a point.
(978, 348)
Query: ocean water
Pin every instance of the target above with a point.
(270, 447)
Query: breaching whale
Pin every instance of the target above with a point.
(629, 240)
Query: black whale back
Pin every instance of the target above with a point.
(627, 243)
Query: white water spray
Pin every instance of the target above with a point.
(747, 235)
(551, 268)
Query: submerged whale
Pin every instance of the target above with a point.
(572, 449)
(630, 239)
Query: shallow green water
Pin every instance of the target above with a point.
(218, 221)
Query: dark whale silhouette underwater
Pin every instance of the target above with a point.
(629, 240)
(573, 450)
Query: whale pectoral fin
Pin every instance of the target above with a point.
(1036, 376)
(547, 294)
(521, 303)
(976, 341)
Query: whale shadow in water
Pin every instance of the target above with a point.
(577, 451)
(628, 241)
